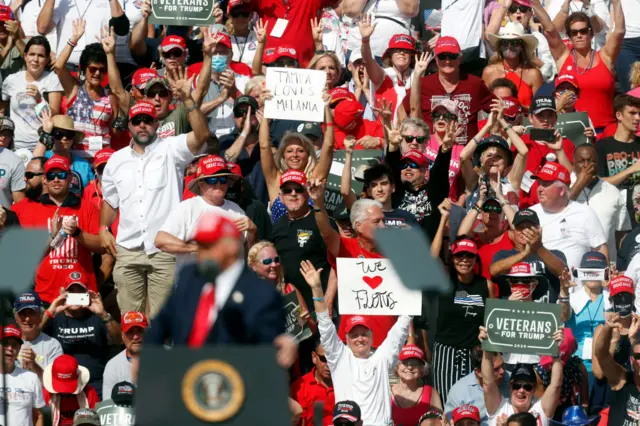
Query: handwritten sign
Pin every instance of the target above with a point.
(297, 94)
(521, 327)
(292, 318)
(372, 287)
(182, 12)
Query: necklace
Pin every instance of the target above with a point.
(575, 60)
(246, 40)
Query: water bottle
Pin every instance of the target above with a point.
(59, 239)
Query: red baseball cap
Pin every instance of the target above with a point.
(212, 227)
(209, 166)
(133, 319)
(273, 53)
(295, 176)
(5, 13)
(415, 156)
(401, 41)
(567, 78)
(102, 156)
(621, 284)
(512, 107)
(12, 331)
(464, 246)
(142, 107)
(552, 172)
(57, 162)
(521, 269)
(341, 94)
(235, 169)
(566, 350)
(234, 3)
(466, 411)
(447, 44)
(75, 277)
(223, 39)
(347, 115)
(142, 75)
(357, 320)
(173, 42)
(411, 351)
(64, 375)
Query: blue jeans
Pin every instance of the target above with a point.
(629, 53)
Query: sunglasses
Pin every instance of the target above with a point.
(94, 70)
(491, 208)
(419, 139)
(527, 281)
(284, 63)
(59, 134)
(465, 254)
(409, 165)
(636, 356)
(321, 357)
(59, 175)
(31, 175)
(583, 31)
(522, 9)
(526, 386)
(271, 260)
(240, 13)
(215, 180)
(511, 43)
(163, 93)
(173, 53)
(447, 116)
(240, 112)
(142, 118)
(448, 56)
(297, 190)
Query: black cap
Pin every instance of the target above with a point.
(594, 260)
(310, 129)
(526, 215)
(246, 100)
(122, 393)
(488, 142)
(542, 103)
(523, 372)
(341, 212)
(348, 410)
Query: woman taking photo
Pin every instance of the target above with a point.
(24, 93)
(594, 69)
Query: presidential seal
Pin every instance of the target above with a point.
(213, 390)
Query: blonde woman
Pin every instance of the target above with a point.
(330, 64)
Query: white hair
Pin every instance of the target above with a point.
(360, 208)
(561, 184)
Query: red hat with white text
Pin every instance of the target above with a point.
(553, 171)
(447, 44)
(209, 166)
(465, 411)
(294, 176)
(141, 108)
(621, 284)
(57, 162)
(273, 53)
(133, 319)
(411, 351)
(173, 42)
(357, 320)
(464, 246)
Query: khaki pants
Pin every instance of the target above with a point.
(144, 281)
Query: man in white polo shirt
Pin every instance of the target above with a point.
(144, 182)
(570, 227)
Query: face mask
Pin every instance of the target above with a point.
(623, 304)
(219, 63)
(524, 289)
(209, 269)
(510, 52)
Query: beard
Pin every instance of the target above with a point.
(33, 193)
(145, 140)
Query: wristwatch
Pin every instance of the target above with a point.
(107, 319)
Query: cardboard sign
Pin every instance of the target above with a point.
(521, 327)
(113, 415)
(372, 287)
(570, 125)
(186, 13)
(297, 94)
(360, 159)
(293, 310)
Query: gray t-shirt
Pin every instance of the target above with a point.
(118, 369)
(11, 176)
(47, 349)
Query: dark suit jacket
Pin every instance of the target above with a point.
(257, 318)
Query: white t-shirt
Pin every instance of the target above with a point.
(117, 370)
(182, 221)
(463, 20)
(46, 348)
(631, 10)
(385, 28)
(24, 392)
(244, 48)
(573, 231)
(506, 410)
(22, 106)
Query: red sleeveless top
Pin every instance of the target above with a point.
(525, 93)
(597, 88)
(411, 415)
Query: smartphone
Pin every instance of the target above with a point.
(78, 299)
(545, 135)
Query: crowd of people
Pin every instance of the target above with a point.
(145, 152)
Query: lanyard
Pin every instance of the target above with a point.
(591, 318)
(287, 7)
(246, 40)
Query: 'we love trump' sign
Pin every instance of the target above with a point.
(372, 287)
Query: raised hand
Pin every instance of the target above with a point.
(108, 40)
(482, 335)
(366, 27)
(96, 305)
(349, 144)
(422, 62)
(385, 111)
(218, 14)
(557, 141)
(181, 86)
(145, 9)
(78, 29)
(47, 121)
(368, 142)
(228, 79)
(432, 42)
(310, 274)
(394, 135)
(316, 191)
(59, 304)
(12, 28)
(566, 281)
(209, 42)
(316, 30)
(451, 133)
(261, 31)
(445, 208)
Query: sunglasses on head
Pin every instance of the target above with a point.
(59, 134)
(31, 175)
(271, 260)
(526, 386)
(583, 31)
(59, 175)
(163, 93)
(94, 70)
(173, 53)
(142, 118)
(447, 116)
(409, 164)
(491, 208)
(240, 13)
(519, 8)
(448, 56)
(215, 180)
(297, 190)
(419, 139)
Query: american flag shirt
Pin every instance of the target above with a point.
(93, 118)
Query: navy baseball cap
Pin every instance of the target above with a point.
(347, 410)
(29, 300)
(526, 215)
(594, 260)
(122, 393)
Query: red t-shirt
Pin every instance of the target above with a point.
(93, 195)
(53, 269)
(380, 324)
(368, 127)
(487, 251)
(471, 96)
(21, 207)
(307, 391)
(69, 404)
(186, 194)
(298, 31)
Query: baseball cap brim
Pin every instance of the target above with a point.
(195, 188)
(545, 108)
(34, 307)
(168, 47)
(346, 417)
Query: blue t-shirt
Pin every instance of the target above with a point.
(81, 172)
(584, 323)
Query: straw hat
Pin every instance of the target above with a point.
(514, 31)
(64, 122)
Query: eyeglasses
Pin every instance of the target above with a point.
(94, 70)
(59, 175)
(31, 175)
(297, 190)
(526, 386)
(491, 208)
(448, 56)
(511, 43)
(142, 118)
(271, 260)
(173, 53)
(163, 93)
(409, 139)
(583, 31)
(522, 9)
(409, 164)
(447, 116)
(240, 13)
(59, 134)
(222, 180)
